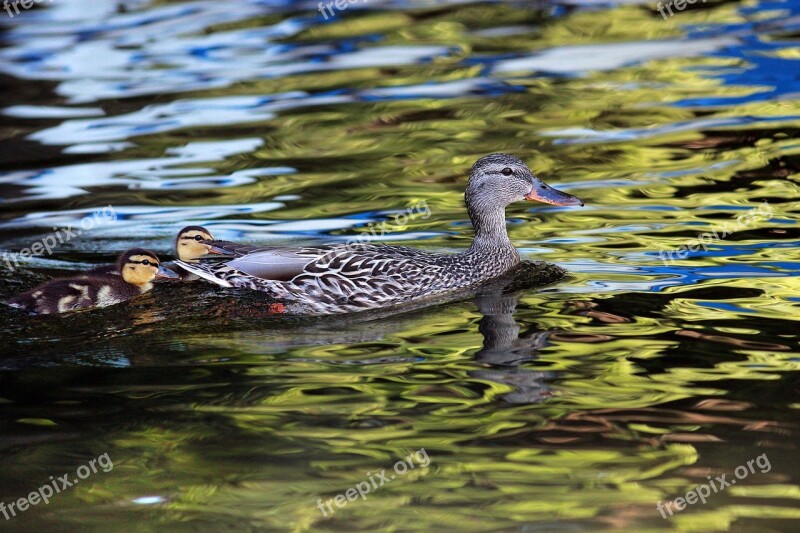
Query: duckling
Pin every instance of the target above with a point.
(189, 247)
(136, 270)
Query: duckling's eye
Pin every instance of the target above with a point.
(507, 171)
(198, 238)
(145, 262)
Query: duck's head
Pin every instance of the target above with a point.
(504, 179)
(140, 267)
(189, 245)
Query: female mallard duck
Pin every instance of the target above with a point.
(344, 278)
(190, 246)
(136, 270)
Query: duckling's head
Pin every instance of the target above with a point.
(503, 179)
(138, 267)
(189, 245)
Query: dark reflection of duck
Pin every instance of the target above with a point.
(349, 278)
(372, 324)
(136, 270)
(505, 350)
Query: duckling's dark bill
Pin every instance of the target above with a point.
(217, 250)
(164, 272)
(547, 194)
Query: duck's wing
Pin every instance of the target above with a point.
(273, 264)
(276, 264)
(370, 274)
(285, 264)
(347, 260)
(333, 279)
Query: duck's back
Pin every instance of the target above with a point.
(344, 278)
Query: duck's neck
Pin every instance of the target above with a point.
(491, 237)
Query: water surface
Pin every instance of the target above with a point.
(569, 407)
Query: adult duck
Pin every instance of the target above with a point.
(344, 278)
(136, 270)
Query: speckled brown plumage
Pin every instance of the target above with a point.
(348, 278)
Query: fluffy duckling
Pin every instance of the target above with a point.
(189, 247)
(136, 270)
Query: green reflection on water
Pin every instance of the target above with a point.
(579, 407)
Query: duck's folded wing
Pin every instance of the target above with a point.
(277, 264)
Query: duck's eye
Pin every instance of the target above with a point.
(145, 262)
(198, 238)
(507, 171)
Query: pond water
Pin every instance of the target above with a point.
(660, 365)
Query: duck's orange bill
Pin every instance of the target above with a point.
(545, 193)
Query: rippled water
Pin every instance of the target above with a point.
(574, 406)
